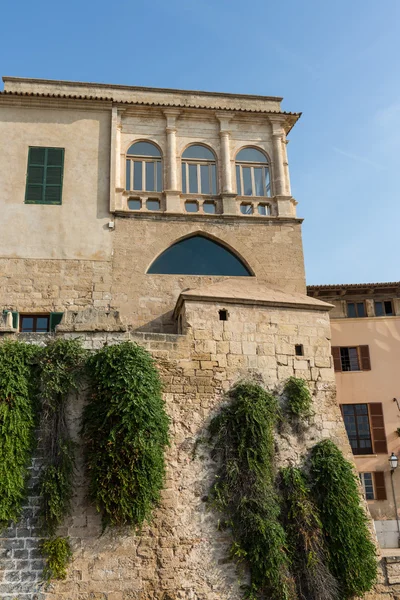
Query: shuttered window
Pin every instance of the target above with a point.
(365, 427)
(354, 358)
(44, 176)
(378, 427)
(379, 485)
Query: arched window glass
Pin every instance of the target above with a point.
(199, 171)
(143, 168)
(198, 255)
(252, 173)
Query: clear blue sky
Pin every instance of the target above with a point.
(337, 62)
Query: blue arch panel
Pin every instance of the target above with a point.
(198, 255)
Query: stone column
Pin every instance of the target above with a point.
(227, 194)
(286, 205)
(279, 170)
(172, 194)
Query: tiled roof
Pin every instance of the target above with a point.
(338, 286)
(249, 291)
(143, 103)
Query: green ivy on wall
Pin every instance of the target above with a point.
(352, 556)
(306, 541)
(242, 437)
(125, 430)
(18, 418)
(62, 362)
(299, 397)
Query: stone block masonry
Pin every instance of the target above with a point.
(181, 554)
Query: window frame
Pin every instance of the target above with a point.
(359, 450)
(199, 162)
(44, 184)
(383, 302)
(144, 160)
(355, 303)
(35, 317)
(363, 485)
(240, 164)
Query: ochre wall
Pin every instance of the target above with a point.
(78, 228)
(380, 384)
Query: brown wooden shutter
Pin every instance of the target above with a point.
(337, 363)
(379, 485)
(377, 428)
(364, 358)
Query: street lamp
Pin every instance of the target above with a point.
(394, 461)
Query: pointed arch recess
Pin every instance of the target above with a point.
(199, 254)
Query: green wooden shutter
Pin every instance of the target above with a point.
(55, 319)
(44, 176)
(15, 318)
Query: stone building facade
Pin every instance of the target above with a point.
(165, 217)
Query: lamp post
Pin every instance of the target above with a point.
(394, 461)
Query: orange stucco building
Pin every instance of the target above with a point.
(365, 326)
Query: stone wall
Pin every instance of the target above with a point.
(33, 285)
(181, 554)
(272, 248)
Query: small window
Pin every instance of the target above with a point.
(350, 360)
(246, 209)
(223, 315)
(299, 350)
(44, 176)
(367, 485)
(34, 323)
(264, 210)
(356, 420)
(134, 204)
(209, 208)
(356, 309)
(191, 206)
(153, 204)
(384, 309)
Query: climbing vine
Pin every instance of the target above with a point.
(306, 541)
(18, 414)
(352, 557)
(125, 430)
(62, 362)
(299, 397)
(58, 554)
(242, 439)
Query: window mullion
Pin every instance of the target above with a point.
(143, 175)
(241, 180)
(199, 191)
(253, 183)
(132, 165)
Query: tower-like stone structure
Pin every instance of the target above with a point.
(164, 217)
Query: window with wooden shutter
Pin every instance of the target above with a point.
(379, 485)
(337, 363)
(55, 319)
(45, 175)
(377, 428)
(365, 358)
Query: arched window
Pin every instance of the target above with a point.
(198, 255)
(199, 172)
(143, 168)
(252, 173)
